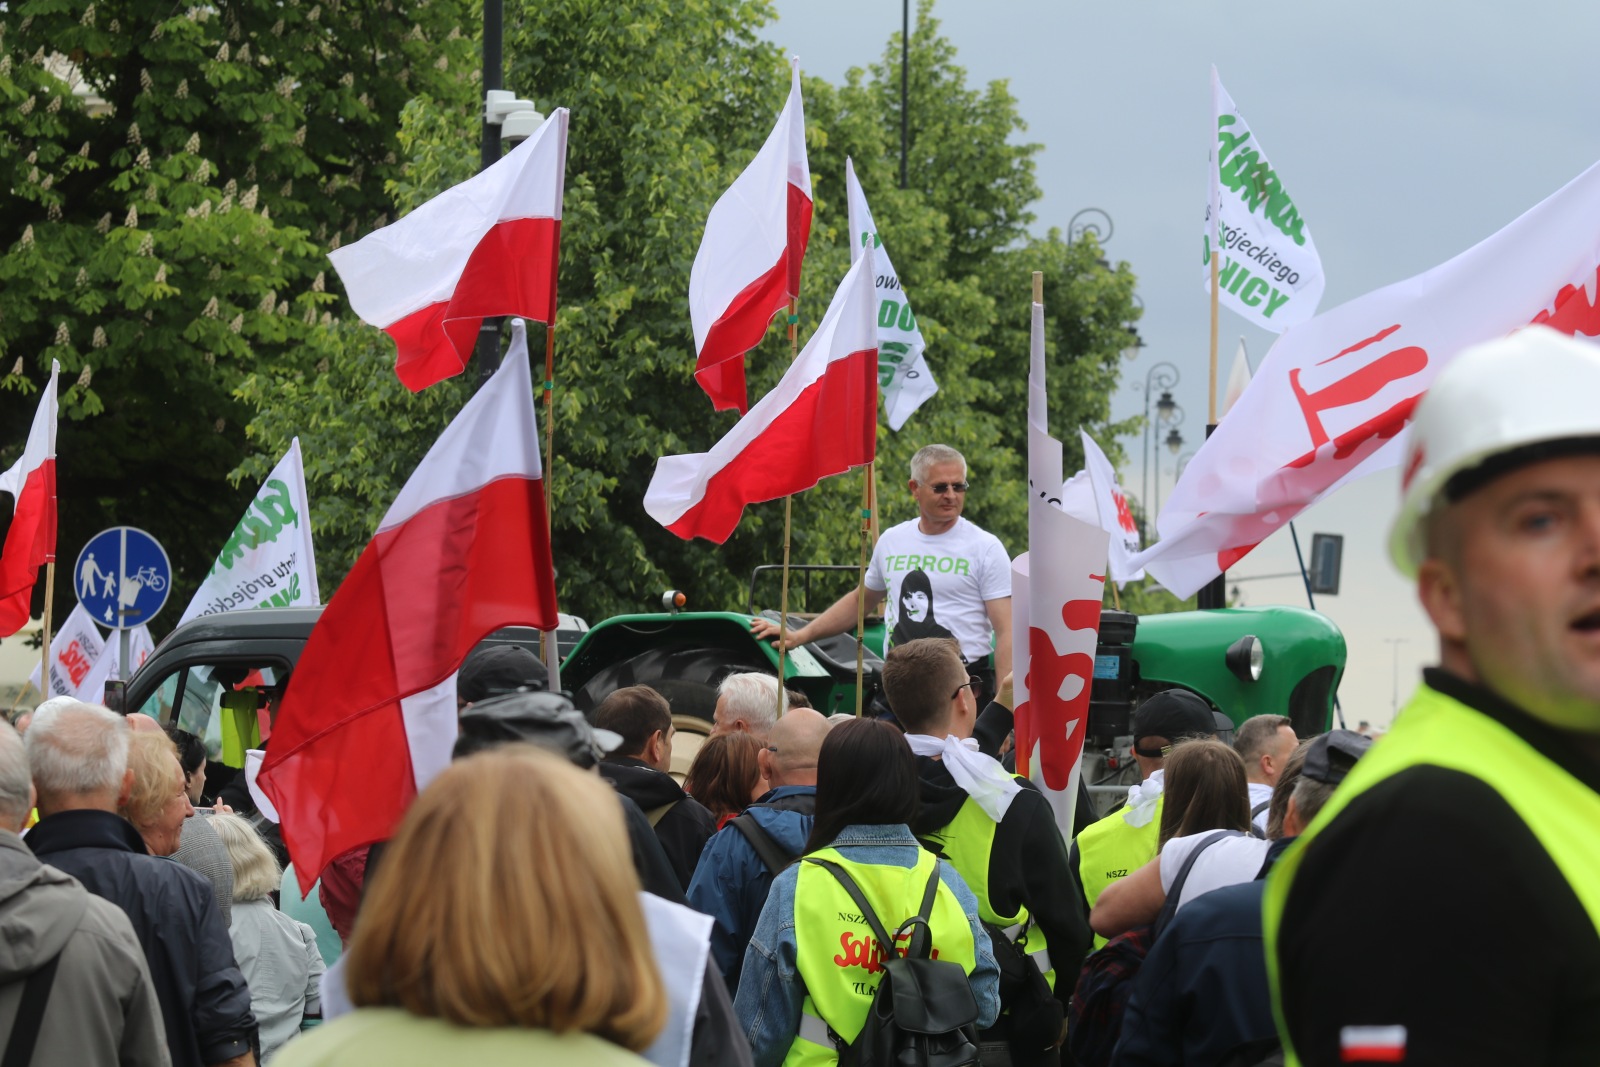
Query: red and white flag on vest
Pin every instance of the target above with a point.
(1333, 397)
(1056, 589)
(488, 246)
(31, 538)
(748, 266)
(370, 713)
(820, 419)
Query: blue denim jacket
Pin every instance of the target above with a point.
(731, 883)
(770, 988)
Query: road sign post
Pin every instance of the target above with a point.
(122, 578)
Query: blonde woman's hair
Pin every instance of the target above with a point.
(508, 898)
(256, 873)
(153, 758)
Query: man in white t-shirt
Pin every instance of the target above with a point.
(1265, 743)
(937, 575)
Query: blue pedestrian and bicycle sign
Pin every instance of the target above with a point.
(122, 577)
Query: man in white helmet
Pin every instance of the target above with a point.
(1444, 908)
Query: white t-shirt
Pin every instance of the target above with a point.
(937, 584)
(1260, 793)
(1230, 861)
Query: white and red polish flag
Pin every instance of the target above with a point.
(1333, 397)
(488, 246)
(31, 538)
(748, 266)
(370, 713)
(820, 419)
(1056, 590)
(1095, 496)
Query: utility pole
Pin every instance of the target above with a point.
(489, 155)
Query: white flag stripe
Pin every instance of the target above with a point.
(458, 463)
(747, 232)
(41, 439)
(417, 260)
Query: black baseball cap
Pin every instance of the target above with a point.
(1173, 714)
(548, 720)
(1331, 755)
(490, 670)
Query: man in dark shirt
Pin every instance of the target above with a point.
(638, 770)
(78, 755)
(1445, 906)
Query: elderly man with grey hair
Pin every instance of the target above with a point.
(73, 981)
(746, 703)
(938, 575)
(79, 758)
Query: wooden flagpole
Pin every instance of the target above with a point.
(44, 649)
(788, 526)
(549, 647)
(868, 514)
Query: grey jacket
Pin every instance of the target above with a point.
(102, 1007)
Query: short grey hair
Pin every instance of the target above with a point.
(255, 869)
(1256, 734)
(752, 697)
(929, 456)
(15, 781)
(79, 748)
(1310, 797)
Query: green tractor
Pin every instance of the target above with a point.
(1244, 661)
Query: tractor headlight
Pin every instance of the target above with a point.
(1245, 658)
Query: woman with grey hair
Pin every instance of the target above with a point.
(278, 955)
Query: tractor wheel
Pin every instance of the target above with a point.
(687, 677)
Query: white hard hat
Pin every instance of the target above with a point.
(1536, 386)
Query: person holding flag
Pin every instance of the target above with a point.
(965, 566)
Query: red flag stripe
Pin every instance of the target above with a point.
(720, 366)
(829, 428)
(30, 544)
(339, 769)
(512, 271)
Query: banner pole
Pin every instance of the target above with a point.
(44, 649)
(1211, 396)
(861, 581)
(549, 649)
(788, 526)
(1116, 595)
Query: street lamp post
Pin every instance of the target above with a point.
(1163, 376)
(1396, 642)
(1174, 444)
(1097, 223)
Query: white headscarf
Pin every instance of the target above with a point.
(982, 777)
(1142, 799)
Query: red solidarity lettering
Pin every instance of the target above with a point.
(1124, 515)
(1572, 312)
(1046, 718)
(1289, 491)
(867, 953)
(75, 662)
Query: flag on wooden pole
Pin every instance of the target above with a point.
(489, 246)
(748, 266)
(820, 419)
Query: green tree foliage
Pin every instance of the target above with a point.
(669, 102)
(176, 175)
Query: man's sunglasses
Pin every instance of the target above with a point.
(972, 680)
(940, 487)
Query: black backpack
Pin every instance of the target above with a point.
(1095, 1020)
(923, 1013)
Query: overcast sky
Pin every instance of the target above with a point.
(1405, 131)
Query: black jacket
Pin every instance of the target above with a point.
(204, 1000)
(1027, 866)
(683, 830)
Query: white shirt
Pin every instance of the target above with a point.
(957, 571)
(1260, 793)
(1230, 861)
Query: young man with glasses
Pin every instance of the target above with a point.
(998, 832)
(938, 575)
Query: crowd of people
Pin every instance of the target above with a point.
(845, 889)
